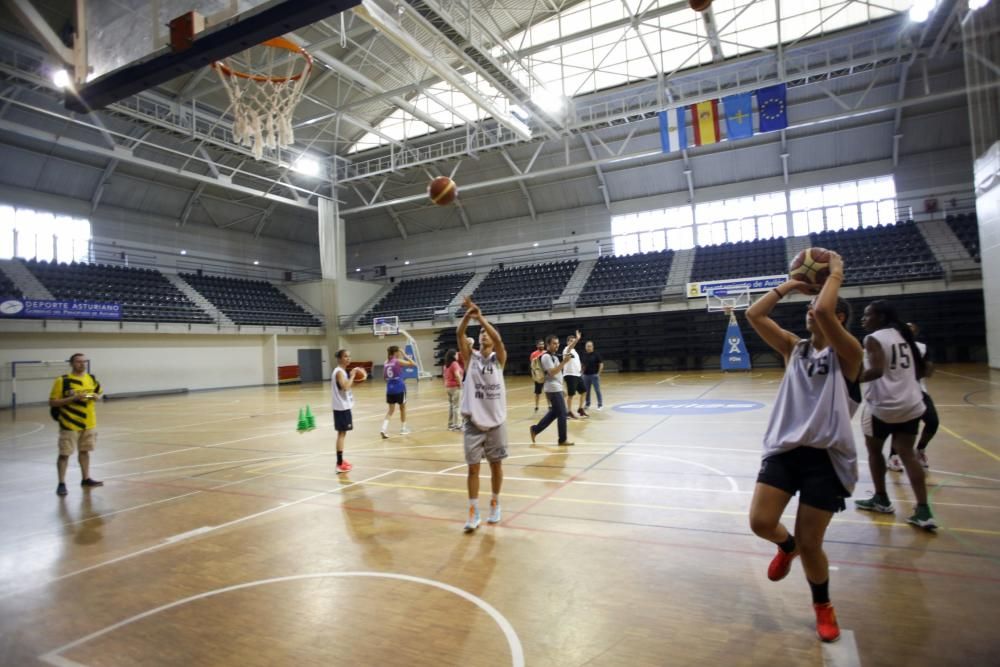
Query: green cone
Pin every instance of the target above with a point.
(303, 424)
(310, 419)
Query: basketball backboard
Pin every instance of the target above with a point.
(385, 326)
(126, 47)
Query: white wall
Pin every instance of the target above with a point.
(136, 362)
(366, 347)
(988, 212)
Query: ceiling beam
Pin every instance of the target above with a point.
(602, 182)
(520, 184)
(41, 30)
(95, 199)
(189, 205)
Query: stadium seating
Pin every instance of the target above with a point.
(882, 254)
(745, 259)
(418, 298)
(251, 302)
(144, 294)
(7, 288)
(966, 228)
(525, 288)
(627, 279)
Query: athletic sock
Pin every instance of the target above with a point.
(474, 502)
(924, 506)
(820, 592)
(788, 546)
(340, 457)
(496, 497)
(385, 425)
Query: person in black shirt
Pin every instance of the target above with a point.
(593, 365)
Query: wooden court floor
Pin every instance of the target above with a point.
(223, 537)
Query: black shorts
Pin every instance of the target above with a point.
(538, 388)
(399, 399)
(343, 421)
(882, 430)
(574, 385)
(809, 472)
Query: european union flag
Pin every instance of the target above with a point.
(739, 115)
(772, 107)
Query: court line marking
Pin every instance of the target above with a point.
(668, 379)
(167, 541)
(41, 426)
(967, 377)
(513, 641)
(843, 652)
(970, 443)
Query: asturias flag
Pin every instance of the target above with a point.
(739, 115)
(705, 119)
(673, 130)
(772, 107)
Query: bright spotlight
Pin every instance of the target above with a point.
(921, 10)
(307, 166)
(60, 77)
(978, 4)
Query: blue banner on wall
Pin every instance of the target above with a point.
(735, 356)
(734, 285)
(59, 310)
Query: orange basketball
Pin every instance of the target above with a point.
(360, 375)
(812, 266)
(699, 5)
(442, 191)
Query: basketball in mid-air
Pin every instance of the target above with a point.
(360, 375)
(699, 5)
(442, 191)
(812, 266)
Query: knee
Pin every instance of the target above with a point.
(474, 470)
(808, 547)
(63, 458)
(762, 526)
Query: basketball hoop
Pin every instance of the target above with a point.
(264, 89)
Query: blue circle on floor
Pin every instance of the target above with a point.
(691, 406)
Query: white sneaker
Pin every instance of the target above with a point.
(385, 436)
(404, 431)
(895, 463)
(494, 512)
(473, 521)
(600, 407)
(922, 458)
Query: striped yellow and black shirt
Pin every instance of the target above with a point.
(76, 416)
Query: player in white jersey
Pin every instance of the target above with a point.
(484, 407)
(809, 446)
(342, 400)
(893, 407)
(930, 416)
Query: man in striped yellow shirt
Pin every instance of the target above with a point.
(72, 402)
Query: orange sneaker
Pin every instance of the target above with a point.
(826, 622)
(781, 565)
(345, 467)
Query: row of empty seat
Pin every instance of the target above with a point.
(627, 279)
(7, 288)
(761, 257)
(250, 302)
(418, 298)
(882, 254)
(525, 288)
(966, 228)
(145, 295)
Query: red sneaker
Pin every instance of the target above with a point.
(826, 622)
(781, 565)
(345, 467)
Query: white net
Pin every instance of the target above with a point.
(265, 83)
(30, 381)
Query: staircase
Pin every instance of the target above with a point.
(467, 290)
(680, 274)
(200, 301)
(301, 303)
(948, 249)
(371, 303)
(574, 285)
(24, 280)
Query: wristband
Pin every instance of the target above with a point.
(778, 292)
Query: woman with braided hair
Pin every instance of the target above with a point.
(893, 406)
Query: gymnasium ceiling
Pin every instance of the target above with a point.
(520, 86)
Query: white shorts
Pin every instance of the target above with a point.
(491, 444)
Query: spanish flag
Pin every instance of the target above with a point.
(705, 120)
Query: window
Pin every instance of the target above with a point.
(40, 235)
(836, 206)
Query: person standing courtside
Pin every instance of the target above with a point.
(484, 406)
(72, 403)
(554, 389)
(343, 401)
(571, 378)
(593, 366)
(894, 405)
(537, 372)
